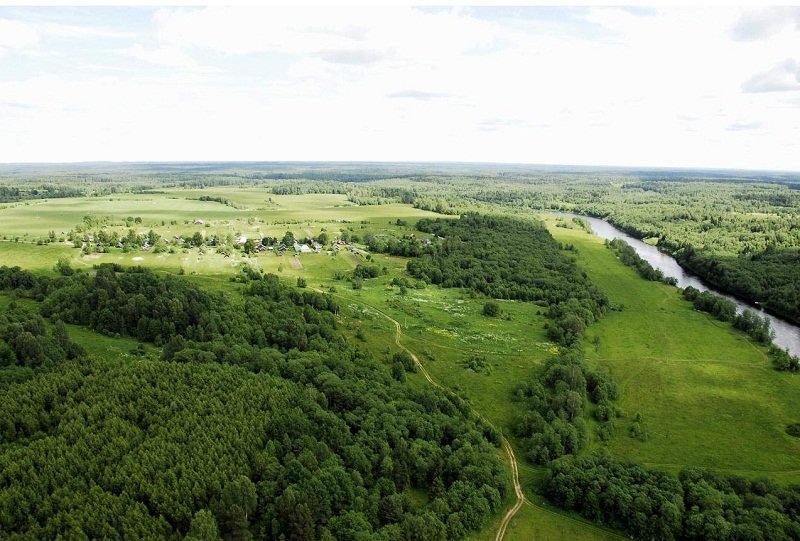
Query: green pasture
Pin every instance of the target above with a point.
(32, 256)
(250, 213)
(708, 396)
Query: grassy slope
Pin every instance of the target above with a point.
(709, 396)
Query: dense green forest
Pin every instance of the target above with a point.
(770, 277)
(551, 422)
(257, 420)
(697, 505)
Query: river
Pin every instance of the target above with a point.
(787, 335)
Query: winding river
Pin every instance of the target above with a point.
(787, 335)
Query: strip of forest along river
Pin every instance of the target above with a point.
(787, 335)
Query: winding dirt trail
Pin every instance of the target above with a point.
(512, 459)
(501, 531)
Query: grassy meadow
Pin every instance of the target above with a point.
(707, 394)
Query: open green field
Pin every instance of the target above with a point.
(304, 216)
(250, 213)
(708, 396)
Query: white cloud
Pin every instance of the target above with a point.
(82, 32)
(744, 126)
(763, 23)
(782, 77)
(417, 94)
(17, 35)
(351, 56)
(165, 56)
(659, 88)
(407, 32)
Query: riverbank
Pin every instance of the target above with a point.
(787, 335)
(698, 385)
(738, 277)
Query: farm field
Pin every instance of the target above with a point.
(173, 213)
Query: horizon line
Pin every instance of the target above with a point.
(402, 162)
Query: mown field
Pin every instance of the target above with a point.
(707, 396)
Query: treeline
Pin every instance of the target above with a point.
(258, 420)
(771, 277)
(551, 424)
(10, 194)
(27, 342)
(698, 505)
(213, 199)
(505, 258)
(406, 246)
(303, 187)
(356, 190)
(628, 256)
(747, 321)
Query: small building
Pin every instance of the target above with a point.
(240, 240)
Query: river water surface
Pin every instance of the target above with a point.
(787, 335)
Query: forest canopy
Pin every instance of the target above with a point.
(258, 420)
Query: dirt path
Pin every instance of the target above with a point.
(517, 490)
(512, 459)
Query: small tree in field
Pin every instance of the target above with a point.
(491, 309)
(63, 267)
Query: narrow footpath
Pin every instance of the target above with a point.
(512, 459)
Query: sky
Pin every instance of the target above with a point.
(652, 86)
